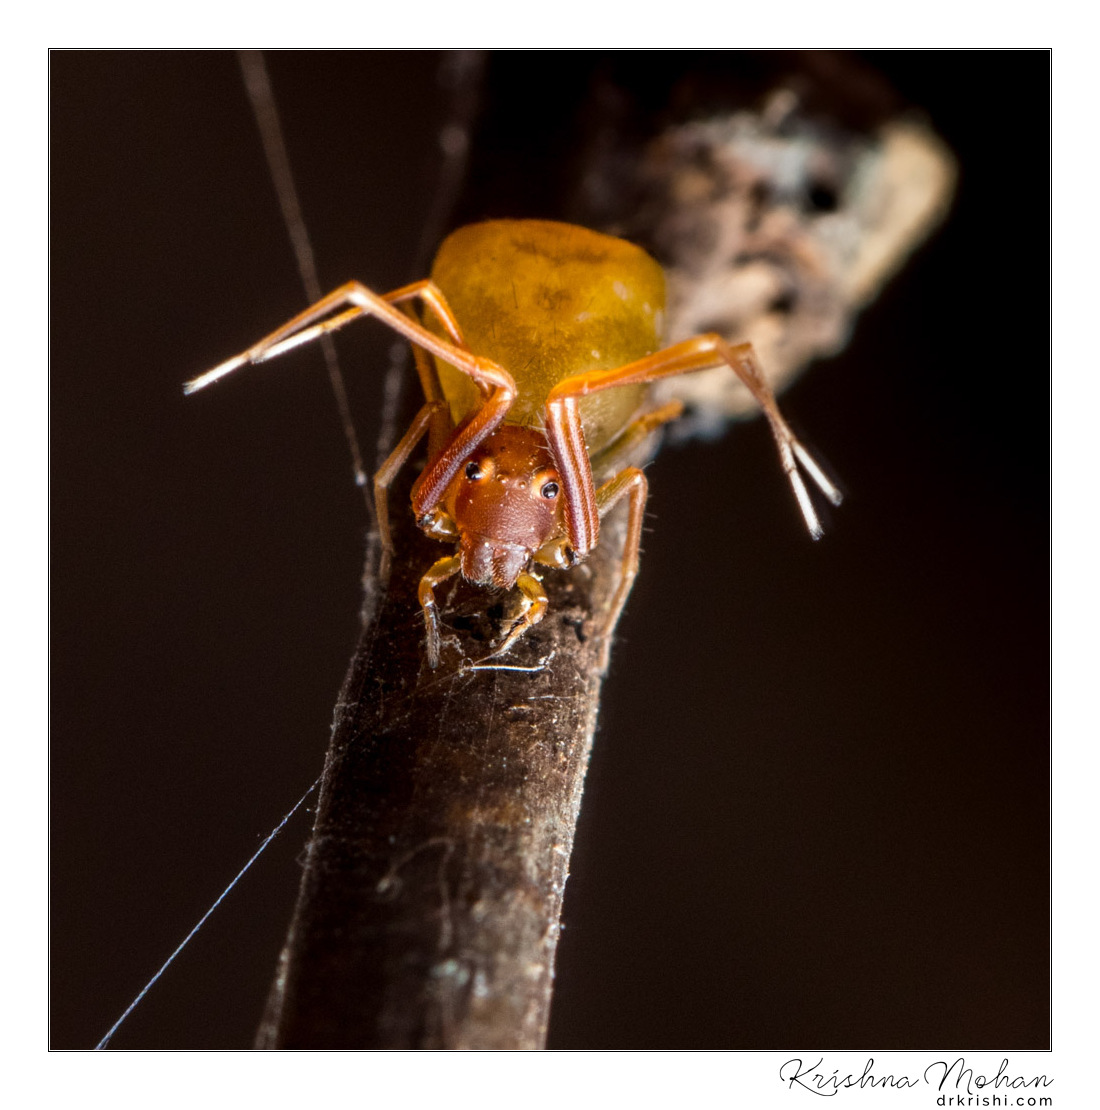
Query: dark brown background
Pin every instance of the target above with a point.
(817, 811)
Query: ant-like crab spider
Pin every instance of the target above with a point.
(545, 337)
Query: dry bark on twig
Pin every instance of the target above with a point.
(428, 915)
(776, 228)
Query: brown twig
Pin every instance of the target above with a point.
(428, 914)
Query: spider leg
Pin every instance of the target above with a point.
(627, 483)
(388, 471)
(495, 383)
(432, 298)
(438, 572)
(354, 300)
(624, 448)
(630, 483)
(535, 602)
(563, 426)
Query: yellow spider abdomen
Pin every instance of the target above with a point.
(548, 301)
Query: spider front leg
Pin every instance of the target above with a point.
(629, 482)
(493, 381)
(563, 427)
(354, 300)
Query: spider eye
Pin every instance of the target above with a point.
(473, 471)
(550, 490)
